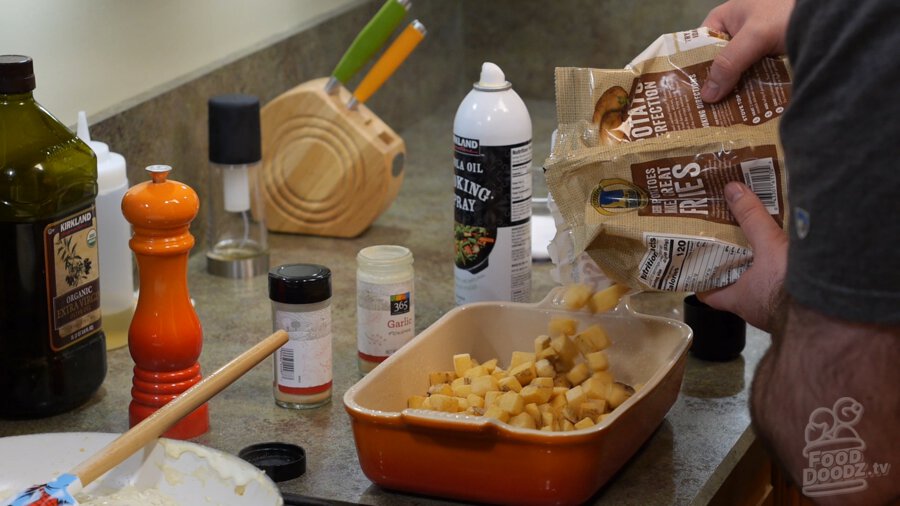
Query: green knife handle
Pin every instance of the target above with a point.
(370, 39)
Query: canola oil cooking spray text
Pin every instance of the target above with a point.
(492, 179)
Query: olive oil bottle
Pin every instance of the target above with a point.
(52, 348)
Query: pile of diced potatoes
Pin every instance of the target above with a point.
(564, 384)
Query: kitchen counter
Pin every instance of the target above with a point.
(684, 462)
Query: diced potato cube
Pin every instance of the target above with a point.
(570, 413)
(444, 403)
(541, 343)
(461, 387)
(559, 391)
(606, 299)
(462, 404)
(567, 425)
(511, 402)
(547, 428)
(438, 377)
(544, 369)
(426, 404)
(592, 409)
(475, 401)
(575, 396)
(542, 382)
(547, 419)
(497, 413)
(490, 365)
(483, 384)
(564, 346)
(520, 357)
(510, 383)
(476, 372)
(561, 381)
(591, 339)
(597, 361)
(415, 401)
(619, 393)
(442, 388)
(596, 388)
(535, 394)
(579, 373)
(547, 353)
(604, 376)
(524, 372)
(561, 326)
(491, 398)
(532, 409)
(475, 410)
(576, 296)
(461, 363)
(523, 420)
(558, 402)
(584, 423)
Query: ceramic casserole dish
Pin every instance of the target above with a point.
(478, 459)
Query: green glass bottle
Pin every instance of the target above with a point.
(52, 348)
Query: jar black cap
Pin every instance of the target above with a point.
(281, 461)
(300, 283)
(719, 336)
(16, 74)
(234, 132)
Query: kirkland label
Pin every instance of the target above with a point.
(683, 263)
(73, 278)
(492, 229)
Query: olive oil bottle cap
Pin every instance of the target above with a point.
(16, 74)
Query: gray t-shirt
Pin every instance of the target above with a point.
(841, 135)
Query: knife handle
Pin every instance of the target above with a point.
(368, 41)
(385, 67)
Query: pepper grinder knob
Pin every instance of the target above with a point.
(165, 337)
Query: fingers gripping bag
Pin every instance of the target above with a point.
(640, 163)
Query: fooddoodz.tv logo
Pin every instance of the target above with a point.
(834, 451)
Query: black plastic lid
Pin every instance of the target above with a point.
(234, 134)
(718, 335)
(300, 283)
(16, 74)
(281, 461)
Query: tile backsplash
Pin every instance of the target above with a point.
(527, 38)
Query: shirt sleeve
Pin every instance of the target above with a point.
(841, 134)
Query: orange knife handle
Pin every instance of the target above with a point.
(399, 50)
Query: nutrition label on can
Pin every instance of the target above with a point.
(492, 231)
(683, 263)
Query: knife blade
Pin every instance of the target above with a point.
(385, 67)
(369, 40)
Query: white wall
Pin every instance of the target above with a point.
(102, 56)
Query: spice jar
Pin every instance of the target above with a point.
(301, 306)
(385, 309)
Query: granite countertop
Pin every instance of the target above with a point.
(685, 461)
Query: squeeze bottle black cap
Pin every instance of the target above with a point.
(234, 132)
(16, 74)
(300, 283)
(719, 336)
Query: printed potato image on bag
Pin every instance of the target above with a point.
(640, 163)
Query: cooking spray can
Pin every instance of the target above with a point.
(492, 169)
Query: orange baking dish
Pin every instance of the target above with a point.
(478, 459)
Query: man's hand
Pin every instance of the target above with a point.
(752, 295)
(757, 28)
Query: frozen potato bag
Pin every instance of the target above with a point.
(640, 163)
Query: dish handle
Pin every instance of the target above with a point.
(445, 421)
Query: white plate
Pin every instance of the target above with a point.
(190, 474)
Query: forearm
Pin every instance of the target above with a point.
(815, 361)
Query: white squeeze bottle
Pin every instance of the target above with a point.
(114, 232)
(492, 167)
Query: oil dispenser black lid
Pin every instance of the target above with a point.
(16, 74)
(719, 336)
(300, 283)
(234, 132)
(281, 461)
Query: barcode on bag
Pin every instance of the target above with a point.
(760, 177)
(287, 362)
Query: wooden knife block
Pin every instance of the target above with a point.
(326, 170)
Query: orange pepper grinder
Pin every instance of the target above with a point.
(165, 336)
